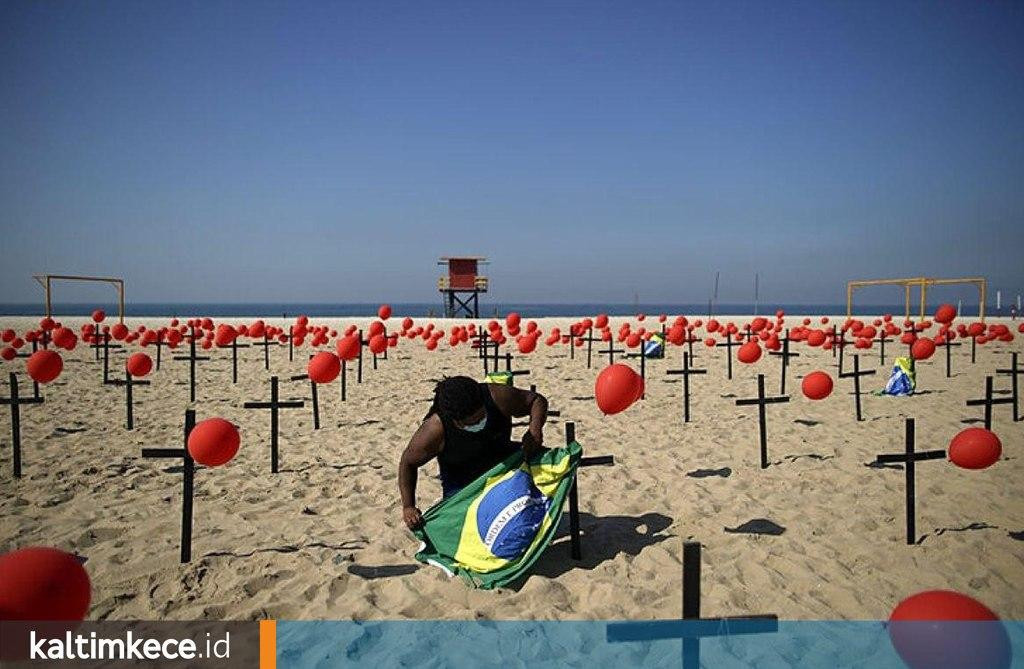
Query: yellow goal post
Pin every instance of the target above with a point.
(46, 281)
(918, 282)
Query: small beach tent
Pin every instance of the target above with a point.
(490, 532)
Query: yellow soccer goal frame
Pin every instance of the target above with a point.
(918, 282)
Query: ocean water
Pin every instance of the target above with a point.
(425, 309)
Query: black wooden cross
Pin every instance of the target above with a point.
(974, 349)
(643, 365)
(1014, 371)
(988, 401)
(234, 358)
(291, 343)
(948, 344)
(590, 339)
(266, 344)
(686, 371)
(574, 495)
(551, 412)
(691, 628)
(315, 398)
(35, 384)
(344, 371)
(187, 482)
(611, 351)
(129, 382)
(728, 344)
(508, 367)
(909, 458)
(192, 359)
(761, 401)
(106, 358)
(274, 405)
(855, 375)
(882, 337)
(484, 343)
(359, 365)
(841, 343)
(160, 344)
(15, 403)
(785, 355)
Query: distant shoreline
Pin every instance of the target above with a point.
(487, 310)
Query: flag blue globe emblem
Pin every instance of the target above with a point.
(510, 514)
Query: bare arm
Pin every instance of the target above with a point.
(518, 403)
(423, 447)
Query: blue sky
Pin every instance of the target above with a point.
(332, 151)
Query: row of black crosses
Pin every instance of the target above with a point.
(102, 346)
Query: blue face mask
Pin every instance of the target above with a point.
(476, 427)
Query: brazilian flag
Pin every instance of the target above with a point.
(491, 531)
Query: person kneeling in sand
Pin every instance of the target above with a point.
(469, 430)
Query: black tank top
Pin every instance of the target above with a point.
(467, 455)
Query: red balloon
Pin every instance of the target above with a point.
(749, 352)
(975, 448)
(139, 365)
(945, 313)
(527, 344)
(348, 347)
(378, 343)
(44, 366)
(8, 353)
(922, 349)
(816, 385)
(119, 331)
(815, 338)
(323, 367)
(43, 584)
(213, 442)
(384, 312)
(601, 321)
(928, 630)
(617, 387)
(99, 316)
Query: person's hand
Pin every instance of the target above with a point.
(533, 443)
(412, 517)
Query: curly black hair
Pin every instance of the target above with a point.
(456, 397)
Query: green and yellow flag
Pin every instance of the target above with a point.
(491, 531)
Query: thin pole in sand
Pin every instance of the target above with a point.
(762, 420)
(266, 344)
(881, 347)
(274, 405)
(691, 628)
(949, 358)
(314, 396)
(106, 358)
(686, 371)
(1014, 371)
(728, 344)
(785, 355)
(129, 383)
(359, 369)
(855, 375)
(192, 359)
(988, 401)
(15, 403)
(234, 358)
(908, 459)
(188, 482)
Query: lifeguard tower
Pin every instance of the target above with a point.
(462, 280)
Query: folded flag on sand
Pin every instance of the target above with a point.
(903, 380)
(491, 531)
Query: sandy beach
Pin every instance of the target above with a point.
(819, 534)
